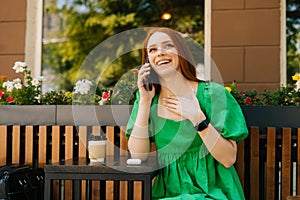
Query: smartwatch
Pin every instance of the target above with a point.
(200, 126)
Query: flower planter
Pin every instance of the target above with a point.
(272, 116)
(93, 115)
(27, 115)
(262, 116)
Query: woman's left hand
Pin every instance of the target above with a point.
(186, 107)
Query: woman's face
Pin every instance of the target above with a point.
(163, 55)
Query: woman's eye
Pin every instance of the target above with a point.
(151, 50)
(168, 46)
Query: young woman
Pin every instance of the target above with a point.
(195, 124)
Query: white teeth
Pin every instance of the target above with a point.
(163, 62)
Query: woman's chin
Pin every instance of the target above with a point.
(168, 73)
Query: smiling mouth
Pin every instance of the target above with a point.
(163, 62)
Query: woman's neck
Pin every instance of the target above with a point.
(178, 86)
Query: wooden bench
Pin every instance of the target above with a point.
(268, 161)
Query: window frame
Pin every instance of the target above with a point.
(33, 36)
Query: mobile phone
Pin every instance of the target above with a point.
(147, 81)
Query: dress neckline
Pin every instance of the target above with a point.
(155, 102)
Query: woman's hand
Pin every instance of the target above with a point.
(186, 107)
(143, 73)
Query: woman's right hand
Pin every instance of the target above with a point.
(143, 73)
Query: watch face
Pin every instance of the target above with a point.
(202, 125)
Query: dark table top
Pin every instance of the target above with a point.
(111, 165)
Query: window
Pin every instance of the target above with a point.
(72, 29)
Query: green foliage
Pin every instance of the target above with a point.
(56, 98)
(283, 96)
(245, 98)
(124, 91)
(84, 24)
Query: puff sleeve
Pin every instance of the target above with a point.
(222, 109)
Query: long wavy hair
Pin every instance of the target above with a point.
(186, 60)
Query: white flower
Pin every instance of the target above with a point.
(18, 86)
(17, 80)
(40, 78)
(9, 85)
(19, 67)
(5, 84)
(83, 86)
(38, 97)
(35, 82)
(17, 83)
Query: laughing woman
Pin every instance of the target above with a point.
(195, 124)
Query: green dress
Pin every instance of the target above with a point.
(188, 170)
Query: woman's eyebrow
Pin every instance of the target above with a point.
(167, 42)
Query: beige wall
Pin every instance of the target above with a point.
(245, 42)
(12, 34)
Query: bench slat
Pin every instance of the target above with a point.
(69, 141)
(29, 144)
(96, 130)
(271, 164)
(56, 141)
(254, 163)
(16, 139)
(42, 137)
(82, 141)
(110, 147)
(82, 152)
(123, 152)
(240, 163)
(123, 142)
(286, 162)
(3, 146)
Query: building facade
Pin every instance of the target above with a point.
(245, 38)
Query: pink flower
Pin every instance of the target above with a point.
(248, 100)
(10, 99)
(105, 95)
(1, 94)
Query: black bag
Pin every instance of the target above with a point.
(21, 182)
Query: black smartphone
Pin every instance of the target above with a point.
(147, 81)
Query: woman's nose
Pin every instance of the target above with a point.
(161, 51)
